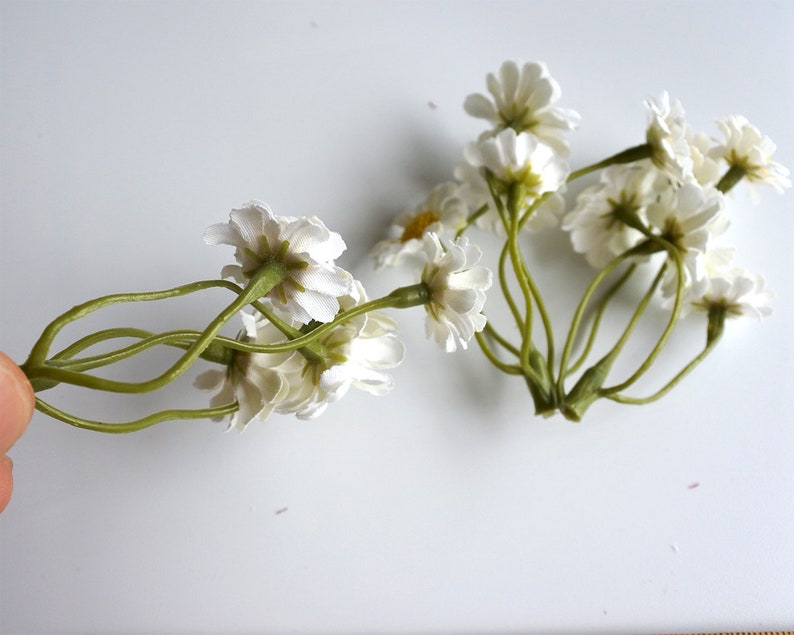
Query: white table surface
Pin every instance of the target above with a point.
(128, 127)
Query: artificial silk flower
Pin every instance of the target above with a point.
(442, 212)
(512, 159)
(747, 149)
(258, 382)
(359, 350)
(667, 136)
(522, 99)
(689, 218)
(291, 383)
(457, 286)
(738, 292)
(604, 223)
(304, 246)
(705, 169)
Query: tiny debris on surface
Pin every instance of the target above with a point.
(432, 105)
(280, 511)
(674, 547)
(693, 485)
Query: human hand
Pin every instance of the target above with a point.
(16, 409)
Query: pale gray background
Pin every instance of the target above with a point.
(128, 127)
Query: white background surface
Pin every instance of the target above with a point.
(128, 127)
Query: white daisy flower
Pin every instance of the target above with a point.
(362, 348)
(522, 100)
(511, 158)
(689, 218)
(667, 136)
(441, 212)
(304, 246)
(746, 149)
(257, 382)
(291, 383)
(738, 293)
(457, 286)
(705, 169)
(604, 222)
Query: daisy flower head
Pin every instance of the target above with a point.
(736, 293)
(441, 212)
(688, 218)
(705, 169)
(355, 355)
(605, 220)
(749, 154)
(667, 135)
(457, 286)
(522, 98)
(257, 382)
(303, 246)
(511, 158)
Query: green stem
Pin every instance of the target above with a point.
(42, 376)
(510, 369)
(138, 424)
(630, 155)
(41, 348)
(502, 341)
(731, 178)
(674, 315)
(471, 219)
(597, 317)
(638, 312)
(670, 384)
(578, 315)
(508, 295)
(178, 339)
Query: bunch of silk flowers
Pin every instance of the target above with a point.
(310, 333)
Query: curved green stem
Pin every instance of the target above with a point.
(671, 323)
(42, 376)
(510, 369)
(579, 314)
(472, 219)
(501, 340)
(670, 384)
(635, 153)
(598, 316)
(508, 295)
(138, 424)
(179, 339)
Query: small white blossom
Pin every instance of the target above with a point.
(457, 286)
(746, 148)
(739, 293)
(667, 135)
(511, 158)
(523, 98)
(256, 381)
(603, 224)
(291, 383)
(443, 211)
(705, 168)
(304, 246)
(688, 218)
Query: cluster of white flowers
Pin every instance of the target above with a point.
(523, 148)
(678, 194)
(358, 351)
(664, 196)
(314, 290)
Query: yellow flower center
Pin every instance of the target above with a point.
(419, 223)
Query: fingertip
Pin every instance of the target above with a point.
(17, 402)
